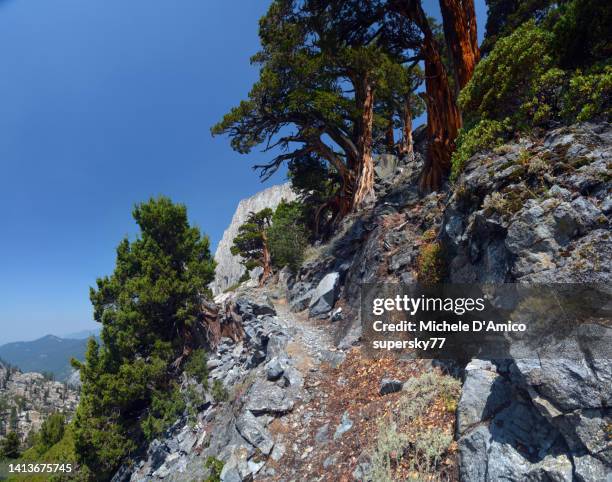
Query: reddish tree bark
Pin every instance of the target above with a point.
(443, 116)
(266, 260)
(389, 136)
(364, 185)
(407, 144)
(459, 18)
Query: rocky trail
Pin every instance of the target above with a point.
(328, 435)
(311, 339)
(296, 405)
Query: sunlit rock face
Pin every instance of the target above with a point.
(29, 398)
(229, 270)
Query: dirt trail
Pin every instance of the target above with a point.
(328, 434)
(312, 341)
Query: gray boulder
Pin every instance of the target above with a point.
(265, 397)
(484, 394)
(385, 165)
(474, 454)
(588, 469)
(344, 426)
(299, 296)
(236, 467)
(325, 295)
(274, 369)
(322, 435)
(249, 427)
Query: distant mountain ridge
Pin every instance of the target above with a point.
(47, 354)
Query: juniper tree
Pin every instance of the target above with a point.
(51, 432)
(13, 419)
(288, 235)
(443, 115)
(252, 244)
(148, 308)
(321, 64)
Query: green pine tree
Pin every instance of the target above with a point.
(51, 432)
(13, 419)
(252, 244)
(288, 236)
(148, 308)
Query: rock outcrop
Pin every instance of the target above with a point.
(26, 399)
(229, 270)
(532, 211)
(535, 212)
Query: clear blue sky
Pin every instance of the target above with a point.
(104, 103)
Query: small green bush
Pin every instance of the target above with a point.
(215, 466)
(543, 104)
(505, 78)
(589, 94)
(389, 450)
(485, 135)
(10, 446)
(424, 389)
(425, 449)
(521, 84)
(196, 367)
(430, 264)
(219, 392)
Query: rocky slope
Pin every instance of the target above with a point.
(229, 270)
(537, 211)
(31, 398)
(296, 404)
(304, 403)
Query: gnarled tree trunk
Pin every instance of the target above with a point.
(407, 144)
(443, 116)
(342, 202)
(459, 19)
(266, 260)
(364, 186)
(389, 136)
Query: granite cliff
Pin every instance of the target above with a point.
(229, 270)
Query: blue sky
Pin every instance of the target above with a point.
(105, 103)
